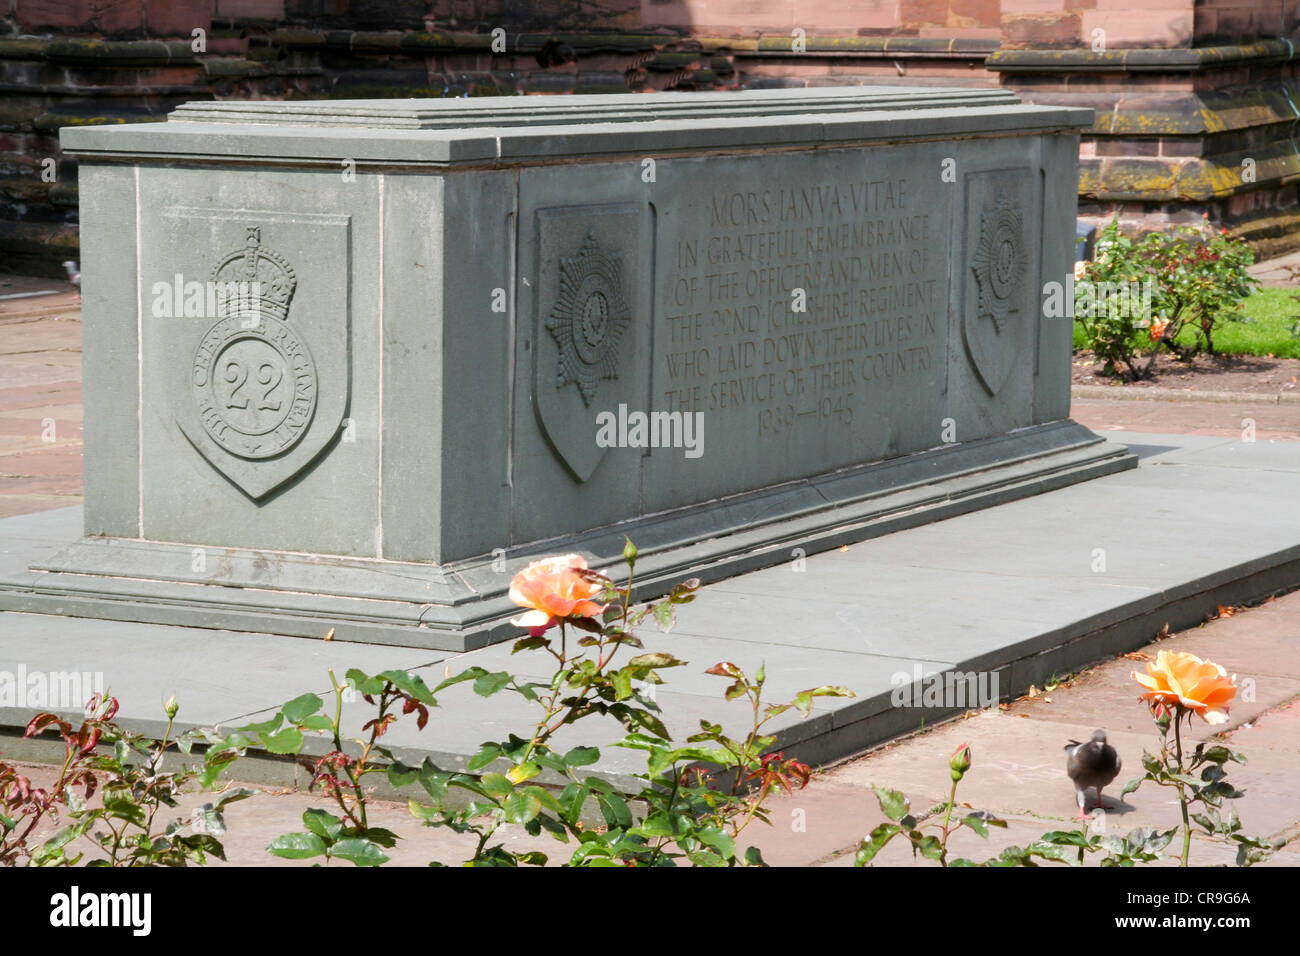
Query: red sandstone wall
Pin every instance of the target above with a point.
(1018, 23)
(1165, 148)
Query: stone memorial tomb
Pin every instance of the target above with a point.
(351, 364)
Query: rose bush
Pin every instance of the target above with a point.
(1191, 278)
(1179, 685)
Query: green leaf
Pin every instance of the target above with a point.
(718, 840)
(705, 858)
(665, 616)
(486, 755)
(572, 799)
(1217, 754)
(1068, 838)
(381, 836)
(297, 846)
(928, 845)
(125, 808)
(1052, 851)
(520, 807)
(496, 785)
(434, 781)
(658, 824)
(1133, 785)
(400, 774)
(874, 842)
(622, 681)
(300, 708)
(265, 727)
(411, 684)
(324, 825)
(830, 690)
(489, 684)
(287, 741)
(892, 803)
(364, 683)
(360, 851)
(653, 660)
(529, 643)
(421, 812)
(615, 810)
(547, 798)
(470, 673)
(582, 756)
(523, 771)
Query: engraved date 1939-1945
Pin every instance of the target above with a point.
(784, 417)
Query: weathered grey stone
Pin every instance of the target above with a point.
(824, 304)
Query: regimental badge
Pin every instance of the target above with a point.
(998, 262)
(254, 380)
(589, 319)
(261, 393)
(995, 325)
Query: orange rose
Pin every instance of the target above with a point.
(1184, 680)
(552, 589)
(1158, 327)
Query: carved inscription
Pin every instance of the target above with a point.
(789, 309)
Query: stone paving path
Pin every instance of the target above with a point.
(1018, 768)
(1275, 273)
(40, 397)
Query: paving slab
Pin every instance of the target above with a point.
(1187, 416)
(1012, 592)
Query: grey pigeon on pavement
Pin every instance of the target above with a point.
(74, 275)
(1093, 764)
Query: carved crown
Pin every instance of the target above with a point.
(254, 281)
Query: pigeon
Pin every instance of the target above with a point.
(74, 275)
(1093, 764)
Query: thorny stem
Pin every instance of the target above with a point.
(359, 800)
(1182, 801)
(155, 761)
(952, 799)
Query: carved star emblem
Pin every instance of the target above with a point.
(998, 262)
(589, 319)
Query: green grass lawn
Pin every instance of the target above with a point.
(1269, 316)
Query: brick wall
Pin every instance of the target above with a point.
(1174, 119)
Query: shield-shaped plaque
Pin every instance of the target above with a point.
(995, 321)
(264, 374)
(586, 335)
